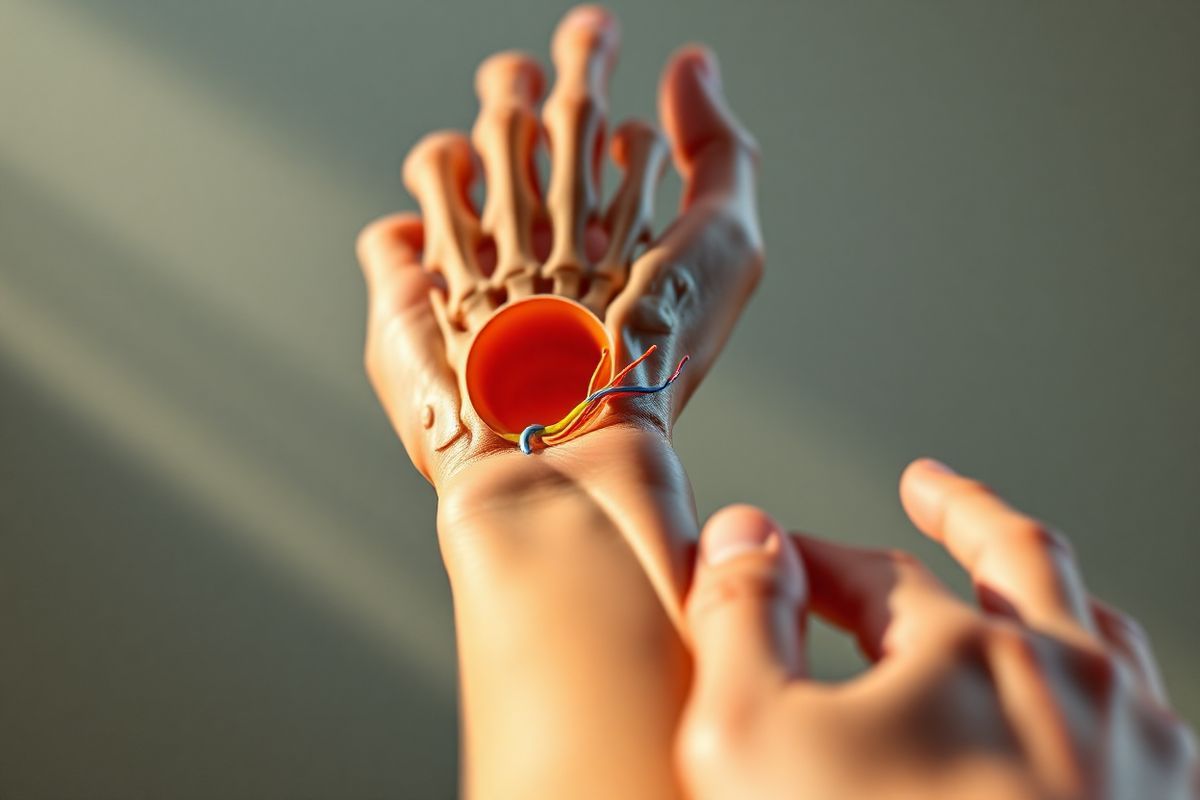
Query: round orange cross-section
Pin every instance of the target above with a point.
(531, 362)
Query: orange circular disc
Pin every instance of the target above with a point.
(531, 363)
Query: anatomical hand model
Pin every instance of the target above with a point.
(568, 566)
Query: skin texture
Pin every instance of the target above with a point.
(1041, 691)
(564, 696)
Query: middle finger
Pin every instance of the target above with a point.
(584, 51)
(506, 133)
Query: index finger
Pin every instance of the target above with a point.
(1020, 567)
(886, 598)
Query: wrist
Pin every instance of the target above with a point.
(564, 571)
(505, 484)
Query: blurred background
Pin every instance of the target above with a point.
(218, 573)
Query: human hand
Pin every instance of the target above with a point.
(1041, 692)
(533, 541)
(433, 280)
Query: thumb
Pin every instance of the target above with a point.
(712, 149)
(744, 609)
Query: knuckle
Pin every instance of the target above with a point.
(740, 236)
(511, 119)
(735, 235)
(1010, 642)
(709, 739)
(962, 501)
(562, 266)
(1030, 534)
(728, 142)
(1097, 671)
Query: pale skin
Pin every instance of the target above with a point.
(568, 568)
(1038, 691)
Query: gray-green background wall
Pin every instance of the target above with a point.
(218, 574)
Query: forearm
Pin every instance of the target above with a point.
(572, 668)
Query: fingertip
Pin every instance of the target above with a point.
(391, 240)
(690, 82)
(735, 530)
(923, 487)
(930, 466)
(589, 16)
(692, 105)
(747, 602)
(693, 61)
(592, 28)
(511, 73)
(444, 151)
(744, 543)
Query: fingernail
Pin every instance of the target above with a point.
(937, 466)
(737, 531)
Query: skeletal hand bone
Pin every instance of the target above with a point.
(683, 293)
(584, 51)
(440, 171)
(641, 151)
(506, 134)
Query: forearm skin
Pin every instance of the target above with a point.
(566, 592)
